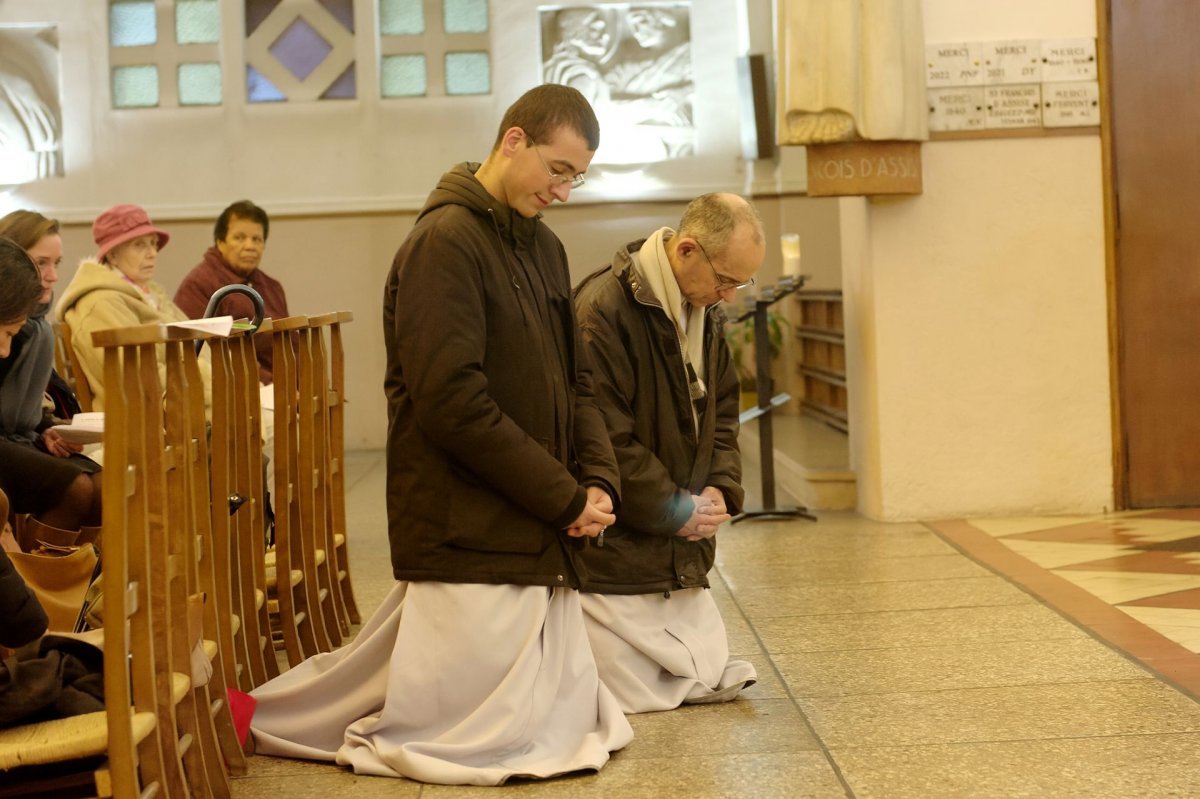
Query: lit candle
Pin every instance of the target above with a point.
(789, 243)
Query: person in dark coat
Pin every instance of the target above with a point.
(22, 617)
(477, 668)
(665, 382)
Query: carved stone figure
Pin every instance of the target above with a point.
(850, 69)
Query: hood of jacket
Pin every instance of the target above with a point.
(93, 276)
(459, 186)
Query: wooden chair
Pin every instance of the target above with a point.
(238, 533)
(295, 597)
(251, 519)
(337, 456)
(312, 413)
(188, 479)
(117, 752)
(70, 367)
(192, 740)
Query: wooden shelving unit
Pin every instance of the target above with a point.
(821, 361)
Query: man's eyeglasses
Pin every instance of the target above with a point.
(557, 178)
(723, 282)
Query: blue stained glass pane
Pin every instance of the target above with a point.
(465, 16)
(401, 17)
(199, 84)
(300, 48)
(132, 23)
(261, 90)
(468, 73)
(135, 87)
(197, 22)
(403, 76)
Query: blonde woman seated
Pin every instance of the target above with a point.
(117, 289)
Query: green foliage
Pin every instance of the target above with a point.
(740, 337)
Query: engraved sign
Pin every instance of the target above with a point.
(956, 108)
(1017, 61)
(953, 65)
(1066, 105)
(1068, 60)
(864, 168)
(1014, 106)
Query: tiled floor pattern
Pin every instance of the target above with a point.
(1132, 578)
(891, 664)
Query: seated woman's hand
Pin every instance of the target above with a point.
(58, 446)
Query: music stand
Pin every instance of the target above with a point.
(757, 308)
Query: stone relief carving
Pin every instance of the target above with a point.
(634, 63)
(30, 106)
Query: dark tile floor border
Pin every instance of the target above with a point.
(1166, 658)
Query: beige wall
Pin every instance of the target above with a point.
(977, 345)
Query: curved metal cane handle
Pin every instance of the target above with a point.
(235, 288)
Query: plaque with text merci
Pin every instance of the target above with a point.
(957, 108)
(1067, 105)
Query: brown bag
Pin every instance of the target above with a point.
(59, 581)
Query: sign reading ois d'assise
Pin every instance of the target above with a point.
(864, 168)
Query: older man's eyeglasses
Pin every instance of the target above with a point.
(557, 178)
(723, 282)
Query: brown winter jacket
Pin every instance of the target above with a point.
(492, 432)
(642, 390)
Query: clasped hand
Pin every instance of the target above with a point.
(596, 516)
(708, 514)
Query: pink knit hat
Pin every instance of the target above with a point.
(121, 223)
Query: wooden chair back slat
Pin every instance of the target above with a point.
(337, 460)
(295, 618)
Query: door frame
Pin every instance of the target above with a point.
(1111, 241)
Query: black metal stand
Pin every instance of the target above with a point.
(767, 297)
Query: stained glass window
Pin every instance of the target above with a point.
(132, 23)
(403, 76)
(135, 86)
(465, 16)
(199, 84)
(468, 73)
(401, 17)
(197, 22)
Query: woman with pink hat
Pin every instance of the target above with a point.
(116, 288)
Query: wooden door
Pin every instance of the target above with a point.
(1155, 112)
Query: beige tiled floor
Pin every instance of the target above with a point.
(891, 665)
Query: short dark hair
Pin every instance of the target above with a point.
(542, 110)
(20, 282)
(712, 218)
(242, 209)
(27, 228)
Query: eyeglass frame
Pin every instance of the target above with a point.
(723, 282)
(556, 178)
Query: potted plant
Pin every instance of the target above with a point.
(740, 337)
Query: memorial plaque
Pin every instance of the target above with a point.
(1068, 60)
(956, 108)
(864, 168)
(1067, 105)
(1014, 106)
(1017, 61)
(953, 65)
